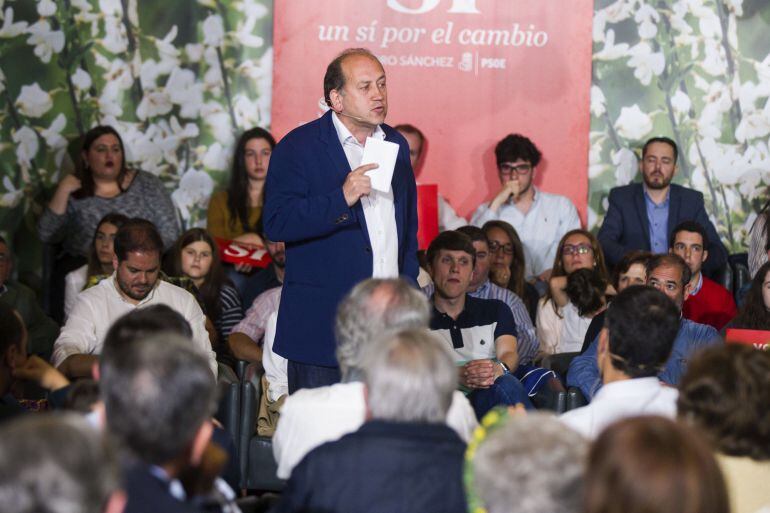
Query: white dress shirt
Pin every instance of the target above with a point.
(622, 399)
(313, 416)
(540, 229)
(73, 285)
(98, 307)
(379, 211)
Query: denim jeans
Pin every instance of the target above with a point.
(507, 390)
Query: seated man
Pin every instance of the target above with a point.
(246, 337)
(482, 288)
(135, 284)
(541, 219)
(312, 416)
(42, 330)
(634, 344)
(269, 277)
(56, 463)
(481, 331)
(670, 275)
(447, 217)
(404, 458)
(642, 216)
(159, 396)
(708, 302)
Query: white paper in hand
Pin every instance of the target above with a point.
(383, 153)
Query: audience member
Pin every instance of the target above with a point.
(631, 270)
(99, 262)
(16, 367)
(482, 288)
(196, 256)
(135, 284)
(57, 464)
(268, 278)
(41, 329)
(560, 326)
(506, 268)
(670, 275)
(338, 228)
(652, 465)
(759, 240)
(708, 302)
(480, 331)
(725, 393)
(539, 218)
(245, 339)
(636, 341)
(404, 458)
(754, 314)
(447, 217)
(158, 396)
(525, 463)
(312, 417)
(642, 216)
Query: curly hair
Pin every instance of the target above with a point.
(585, 289)
(754, 314)
(726, 392)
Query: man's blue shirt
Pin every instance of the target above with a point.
(657, 215)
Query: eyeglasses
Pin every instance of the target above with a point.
(510, 169)
(495, 247)
(576, 249)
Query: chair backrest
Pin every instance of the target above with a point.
(229, 407)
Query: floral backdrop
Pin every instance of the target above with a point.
(179, 78)
(694, 70)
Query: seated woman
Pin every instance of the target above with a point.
(726, 393)
(754, 313)
(578, 249)
(99, 260)
(102, 183)
(507, 263)
(196, 257)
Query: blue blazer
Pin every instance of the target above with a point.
(626, 226)
(327, 243)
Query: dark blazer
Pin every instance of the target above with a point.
(384, 467)
(147, 493)
(327, 243)
(626, 226)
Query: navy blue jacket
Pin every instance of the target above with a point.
(384, 467)
(626, 226)
(327, 243)
(148, 493)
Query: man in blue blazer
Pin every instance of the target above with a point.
(337, 229)
(643, 215)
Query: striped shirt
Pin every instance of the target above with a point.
(231, 311)
(254, 323)
(527, 344)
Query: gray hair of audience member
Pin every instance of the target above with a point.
(531, 464)
(157, 392)
(410, 377)
(370, 309)
(55, 463)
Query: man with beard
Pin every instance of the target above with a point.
(643, 215)
(135, 284)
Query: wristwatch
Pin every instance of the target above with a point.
(506, 370)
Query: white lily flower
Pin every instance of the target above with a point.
(27, 146)
(81, 80)
(753, 125)
(681, 102)
(12, 196)
(154, 103)
(52, 134)
(645, 62)
(714, 61)
(595, 165)
(11, 29)
(647, 18)
(111, 8)
(213, 31)
(194, 51)
(626, 165)
(633, 124)
(193, 191)
(33, 102)
(115, 38)
(246, 111)
(218, 121)
(611, 51)
(620, 10)
(46, 41)
(46, 7)
(217, 157)
(109, 100)
(252, 8)
(598, 101)
(185, 91)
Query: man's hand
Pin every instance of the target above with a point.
(37, 370)
(357, 184)
(479, 373)
(510, 189)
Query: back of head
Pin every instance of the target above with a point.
(585, 289)
(54, 464)
(653, 465)
(726, 393)
(157, 392)
(642, 324)
(410, 377)
(533, 462)
(137, 235)
(371, 308)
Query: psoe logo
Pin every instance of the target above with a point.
(458, 6)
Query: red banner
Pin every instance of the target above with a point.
(466, 72)
(239, 253)
(427, 214)
(758, 339)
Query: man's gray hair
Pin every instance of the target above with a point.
(410, 376)
(534, 462)
(55, 463)
(372, 308)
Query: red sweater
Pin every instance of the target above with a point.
(712, 305)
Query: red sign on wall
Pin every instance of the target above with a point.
(466, 72)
